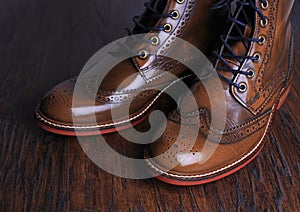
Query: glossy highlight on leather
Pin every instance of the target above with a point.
(255, 62)
(137, 79)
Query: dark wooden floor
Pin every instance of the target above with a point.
(45, 42)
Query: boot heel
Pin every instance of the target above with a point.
(284, 96)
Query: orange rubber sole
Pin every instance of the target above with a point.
(91, 132)
(204, 181)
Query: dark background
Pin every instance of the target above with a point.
(43, 42)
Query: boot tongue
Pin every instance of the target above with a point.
(147, 19)
(159, 5)
(239, 49)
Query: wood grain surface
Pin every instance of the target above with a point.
(43, 42)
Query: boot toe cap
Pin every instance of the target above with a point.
(177, 155)
(56, 106)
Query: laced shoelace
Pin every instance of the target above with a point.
(221, 4)
(152, 13)
(239, 26)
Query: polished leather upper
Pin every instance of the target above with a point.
(136, 79)
(248, 111)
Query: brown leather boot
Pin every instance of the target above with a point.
(190, 20)
(255, 65)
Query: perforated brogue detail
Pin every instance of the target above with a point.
(229, 135)
(114, 98)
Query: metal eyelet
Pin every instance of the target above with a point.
(257, 56)
(175, 14)
(242, 87)
(265, 6)
(180, 1)
(251, 73)
(167, 28)
(143, 54)
(154, 40)
(263, 40)
(264, 22)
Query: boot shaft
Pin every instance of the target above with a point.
(191, 20)
(273, 52)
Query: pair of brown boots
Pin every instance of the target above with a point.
(220, 125)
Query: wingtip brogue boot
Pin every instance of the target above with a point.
(255, 65)
(144, 74)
